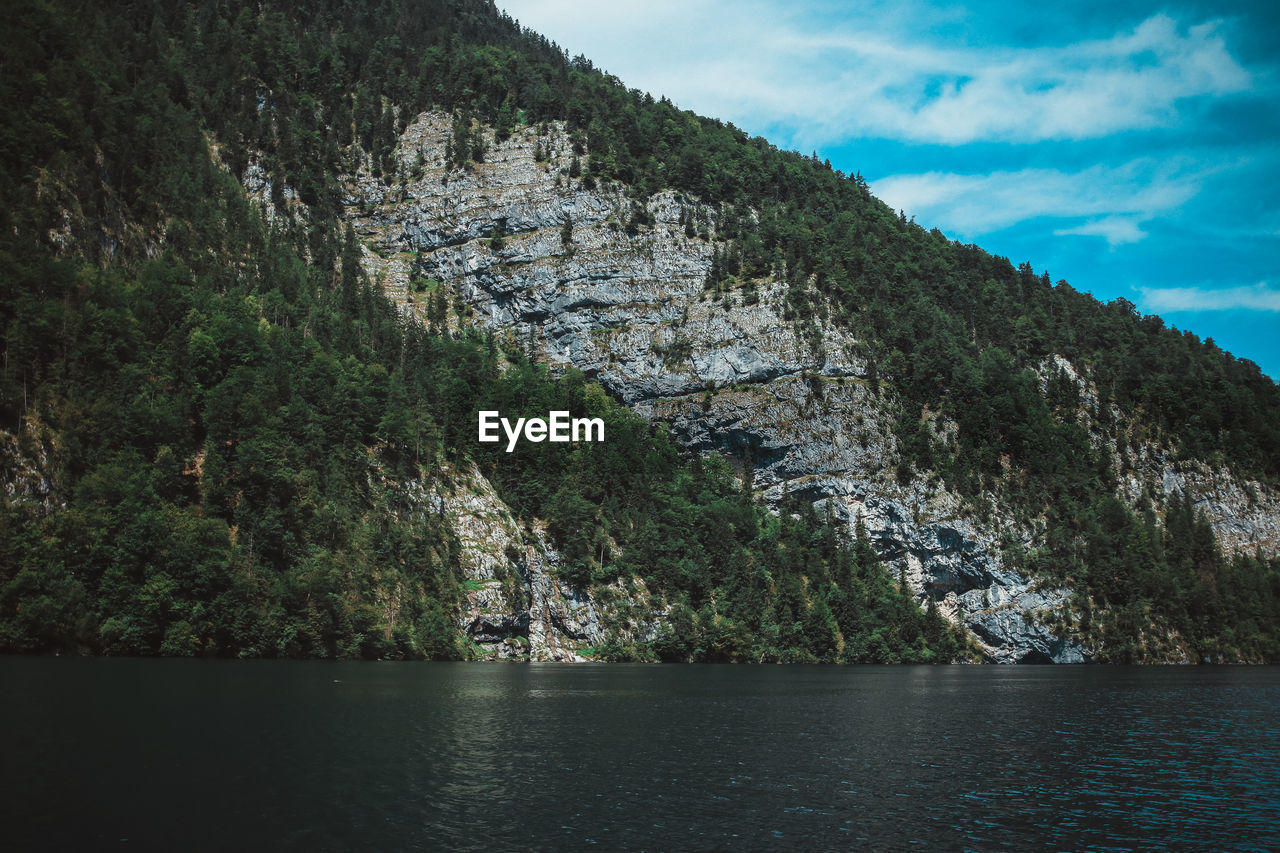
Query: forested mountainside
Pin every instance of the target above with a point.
(263, 264)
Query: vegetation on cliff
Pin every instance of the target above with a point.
(226, 399)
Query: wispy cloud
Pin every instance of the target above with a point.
(1258, 297)
(1113, 199)
(882, 81)
(1132, 80)
(1121, 144)
(1116, 230)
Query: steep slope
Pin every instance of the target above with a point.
(516, 605)
(622, 296)
(221, 436)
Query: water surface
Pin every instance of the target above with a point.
(412, 756)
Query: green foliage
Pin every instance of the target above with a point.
(566, 233)
(504, 121)
(231, 397)
(1145, 584)
(754, 587)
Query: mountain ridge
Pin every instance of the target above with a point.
(573, 294)
(225, 374)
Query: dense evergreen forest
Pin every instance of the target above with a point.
(226, 403)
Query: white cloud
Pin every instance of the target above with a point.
(768, 65)
(1111, 200)
(1258, 297)
(1116, 230)
(1083, 90)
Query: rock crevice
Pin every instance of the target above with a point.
(628, 305)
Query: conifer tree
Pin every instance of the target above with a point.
(566, 232)
(505, 121)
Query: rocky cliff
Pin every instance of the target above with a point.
(587, 277)
(516, 606)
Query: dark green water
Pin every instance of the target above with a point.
(217, 755)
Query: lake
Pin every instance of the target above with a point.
(179, 754)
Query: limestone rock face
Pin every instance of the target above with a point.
(622, 298)
(1245, 514)
(27, 469)
(516, 607)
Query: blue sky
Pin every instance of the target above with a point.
(1131, 148)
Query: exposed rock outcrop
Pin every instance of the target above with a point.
(27, 470)
(622, 298)
(516, 607)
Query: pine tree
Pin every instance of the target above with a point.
(460, 140)
(566, 233)
(505, 121)
(349, 288)
(715, 272)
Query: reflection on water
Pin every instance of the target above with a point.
(175, 754)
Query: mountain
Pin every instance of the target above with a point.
(264, 265)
